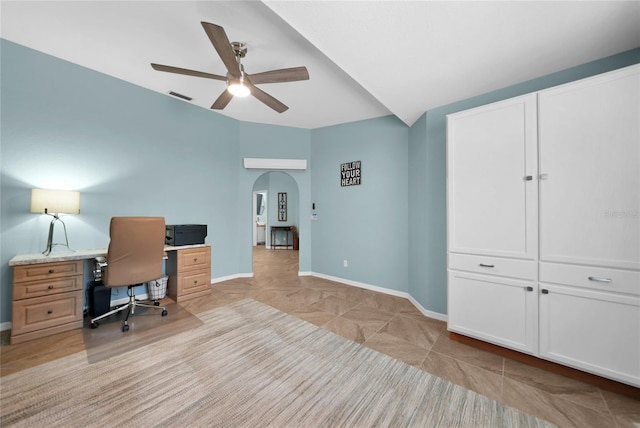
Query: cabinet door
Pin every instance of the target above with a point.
(491, 202)
(590, 169)
(498, 310)
(593, 331)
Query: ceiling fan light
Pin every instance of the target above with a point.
(238, 89)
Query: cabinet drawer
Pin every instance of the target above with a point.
(514, 268)
(192, 282)
(46, 271)
(48, 311)
(27, 290)
(196, 258)
(595, 278)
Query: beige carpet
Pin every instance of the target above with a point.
(248, 365)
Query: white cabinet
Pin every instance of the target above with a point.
(598, 332)
(492, 223)
(551, 265)
(590, 161)
(589, 144)
(498, 310)
(492, 163)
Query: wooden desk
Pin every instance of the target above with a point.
(274, 234)
(48, 291)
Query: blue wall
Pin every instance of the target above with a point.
(131, 151)
(364, 224)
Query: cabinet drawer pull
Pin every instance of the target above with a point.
(596, 279)
(51, 271)
(528, 178)
(529, 288)
(487, 266)
(50, 287)
(49, 312)
(195, 259)
(544, 291)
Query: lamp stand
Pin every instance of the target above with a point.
(50, 243)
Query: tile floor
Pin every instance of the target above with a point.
(392, 325)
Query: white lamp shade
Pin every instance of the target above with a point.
(55, 201)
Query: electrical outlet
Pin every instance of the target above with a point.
(345, 263)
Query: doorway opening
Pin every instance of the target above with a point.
(275, 215)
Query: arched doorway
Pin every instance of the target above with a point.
(269, 192)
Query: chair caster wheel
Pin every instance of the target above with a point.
(156, 303)
(164, 313)
(125, 328)
(94, 325)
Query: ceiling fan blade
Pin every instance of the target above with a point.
(222, 44)
(222, 100)
(283, 75)
(178, 70)
(266, 98)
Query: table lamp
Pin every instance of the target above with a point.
(54, 203)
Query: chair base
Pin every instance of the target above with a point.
(131, 307)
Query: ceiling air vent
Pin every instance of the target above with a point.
(184, 97)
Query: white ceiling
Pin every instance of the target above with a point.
(366, 59)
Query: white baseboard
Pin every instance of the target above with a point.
(425, 312)
(230, 277)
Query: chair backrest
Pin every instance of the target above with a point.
(136, 250)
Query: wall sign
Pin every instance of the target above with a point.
(350, 173)
(282, 206)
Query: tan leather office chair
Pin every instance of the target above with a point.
(135, 256)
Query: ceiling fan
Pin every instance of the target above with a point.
(239, 83)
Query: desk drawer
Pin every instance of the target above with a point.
(196, 258)
(47, 271)
(27, 290)
(45, 312)
(192, 282)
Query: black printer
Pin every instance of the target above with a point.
(185, 234)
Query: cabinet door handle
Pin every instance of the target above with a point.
(51, 271)
(528, 178)
(50, 287)
(529, 289)
(597, 279)
(49, 312)
(544, 291)
(195, 260)
(486, 265)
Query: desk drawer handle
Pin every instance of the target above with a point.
(195, 259)
(596, 279)
(51, 271)
(50, 287)
(487, 266)
(49, 312)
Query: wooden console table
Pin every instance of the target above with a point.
(274, 234)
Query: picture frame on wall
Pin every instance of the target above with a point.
(282, 206)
